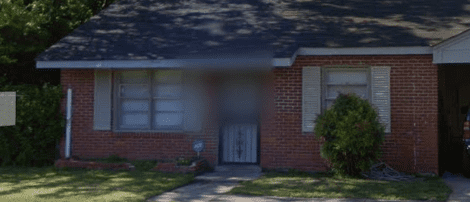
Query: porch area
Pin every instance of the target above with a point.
(454, 102)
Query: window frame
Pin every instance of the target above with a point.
(116, 109)
(324, 85)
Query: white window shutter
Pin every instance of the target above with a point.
(380, 80)
(193, 97)
(311, 97)
(102, 100)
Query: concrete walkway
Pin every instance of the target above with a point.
(460, 186)
(212, 186)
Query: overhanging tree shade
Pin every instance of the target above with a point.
(28, 27)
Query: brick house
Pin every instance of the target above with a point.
(148, 78)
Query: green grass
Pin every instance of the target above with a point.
(51, 184)
(327, 185)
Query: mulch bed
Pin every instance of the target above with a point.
(74, 163)
(196, 167)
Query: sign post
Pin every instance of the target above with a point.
(198, 146)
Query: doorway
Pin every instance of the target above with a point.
(454, 96)
(239, 102)
(239, 144)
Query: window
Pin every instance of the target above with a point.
(321, 86)
(344, 80)
(149, 100)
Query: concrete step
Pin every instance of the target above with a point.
(232, 173)
(235, 168)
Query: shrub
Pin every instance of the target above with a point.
(352, 135)
(39, 126)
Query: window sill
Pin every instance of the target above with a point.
(148, 131)
(157, 131)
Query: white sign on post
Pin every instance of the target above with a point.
(7, 108)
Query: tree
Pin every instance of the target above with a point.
(20, 31)
(28, 27)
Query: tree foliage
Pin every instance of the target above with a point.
(20, 30)
(28, 27)
(39, 125)
(352, 134)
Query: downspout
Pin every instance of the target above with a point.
(69, 124)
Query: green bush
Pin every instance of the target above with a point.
(352, 135)
(38, 128)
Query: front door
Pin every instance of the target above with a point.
(239, 143)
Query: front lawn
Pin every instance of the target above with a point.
(326, 185)
(51, 184)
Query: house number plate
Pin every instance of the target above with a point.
(198, 145)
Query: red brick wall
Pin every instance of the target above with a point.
(87, 143)
(409, 147)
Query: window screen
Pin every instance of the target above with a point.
(347, 81)
(139, 109)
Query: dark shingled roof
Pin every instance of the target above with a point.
(172, 29)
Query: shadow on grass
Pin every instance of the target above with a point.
(51, 184)
(328, 185)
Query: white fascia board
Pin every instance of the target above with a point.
(276, 62)
(451, 57)
(116, 64)
(367, 51)
(110, 64)
(282, 62)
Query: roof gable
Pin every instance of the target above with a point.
(453, 50)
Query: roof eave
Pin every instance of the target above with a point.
(275, 62)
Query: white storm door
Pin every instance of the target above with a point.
(239, 143)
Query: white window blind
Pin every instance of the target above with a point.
(347, 81)
(160, 110)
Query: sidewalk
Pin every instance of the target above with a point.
(212, 186)
(460, 186)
